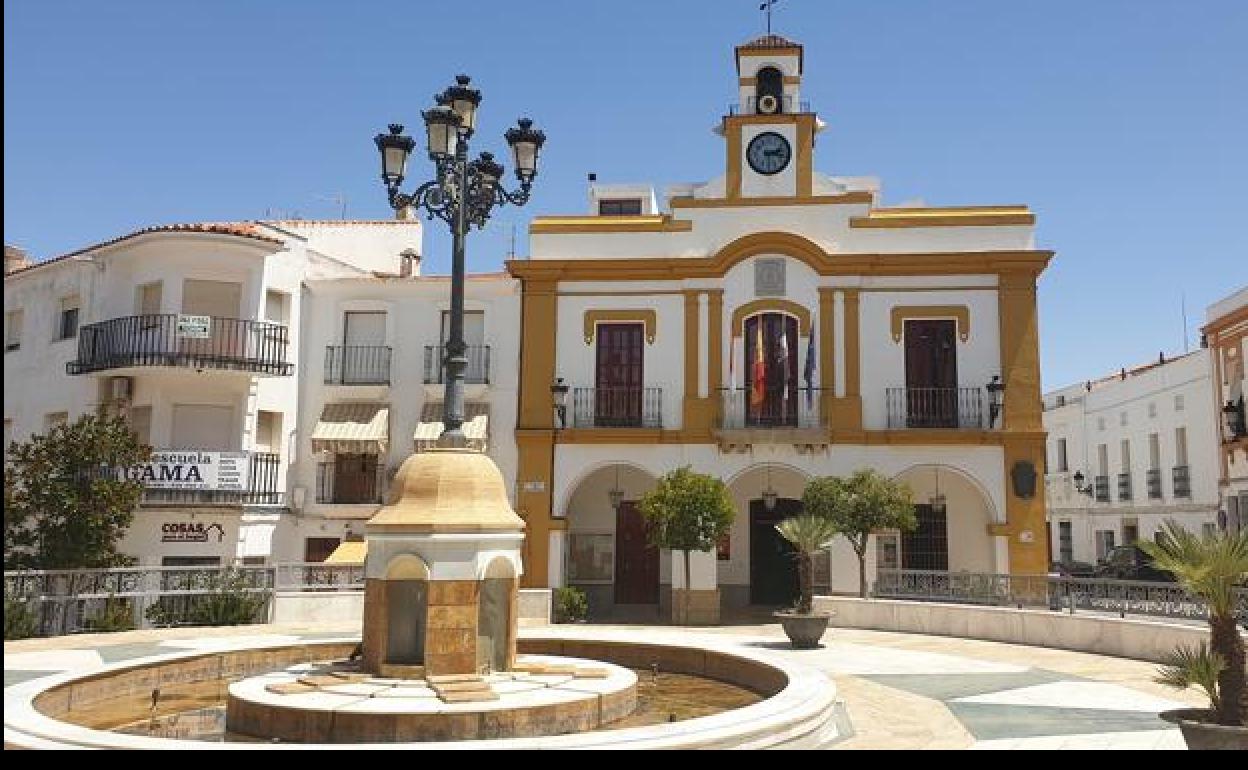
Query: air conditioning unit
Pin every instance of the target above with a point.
(122, 388)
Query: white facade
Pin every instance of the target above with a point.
(1139, 435)
(233, 388)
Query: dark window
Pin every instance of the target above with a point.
(1062, 467)
(191, 561)
(771, 381)
(318, 549)
(1066, 541)
(624, 207)
(620, 377)
(926, 547)
(69, 324)
(769, 82)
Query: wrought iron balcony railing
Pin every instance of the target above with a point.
(1124, 487)
(1153, 479)
(771, 407)
(1102, 489)
(1182, 479)
(477, 373)
(195, 342)
(350, 482)
(617, 407)
(789, 105)
(935, 408)
(357, 365)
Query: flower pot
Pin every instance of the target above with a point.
(1201, 734)
(804, 631)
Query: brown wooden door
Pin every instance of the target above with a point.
(931, 374)
(318, 549)
(619, 377)
(355, 478)
(636, 561)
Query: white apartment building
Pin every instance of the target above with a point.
(1129, 451)
(210, 338)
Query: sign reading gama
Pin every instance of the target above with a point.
(193, 469)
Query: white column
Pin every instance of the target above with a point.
(555, 559)
(838, 337)
(1002, 545)
(704, 327)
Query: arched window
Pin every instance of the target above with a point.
(771, 353)
(769, 91)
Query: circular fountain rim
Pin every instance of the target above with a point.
(800, 713)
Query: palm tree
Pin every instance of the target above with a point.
(1212, 567)
(808, 534)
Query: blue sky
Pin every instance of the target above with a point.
(1122, 123)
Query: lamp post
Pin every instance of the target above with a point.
(462, 194)
(996, 394)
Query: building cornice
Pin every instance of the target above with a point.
(947, 216)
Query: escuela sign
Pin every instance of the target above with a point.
(193, 469)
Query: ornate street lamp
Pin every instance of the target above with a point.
(937, 501)
(559, 394)
(1080, 486)
(1233, 418)
(996, 394)
(462, 194)
(770, 496)
(615, 495)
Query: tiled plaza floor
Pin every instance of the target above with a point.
(900, 690)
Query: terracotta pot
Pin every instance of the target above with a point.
(1201, 734)
(804, 631)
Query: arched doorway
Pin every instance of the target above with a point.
(771, 383)
(773, 560)
(757, 565)
(407, 590)
(609, 553)
(494, 615)
(954, 514)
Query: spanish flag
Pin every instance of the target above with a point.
(758, 384)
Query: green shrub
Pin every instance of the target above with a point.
(21, 620)
(571, 606)
(228, 603)
(117, 615)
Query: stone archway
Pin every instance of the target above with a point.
(969, 545)
(608, 555)
(406, 600)
(494, 615)
(760, 567)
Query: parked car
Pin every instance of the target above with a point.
(1128, 562)
(1073, 569)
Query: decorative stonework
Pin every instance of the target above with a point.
(771, 305)
(769, 277)
(960, 313)
(648, 318)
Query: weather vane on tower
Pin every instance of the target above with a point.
(767, 6)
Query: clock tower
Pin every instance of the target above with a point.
(769, 132)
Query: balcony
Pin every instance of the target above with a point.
(477, 372)
(771, 408)
(1102, 489)
(192, 342)
(1182, 481)
(790, 106)
(350, 480)
(958, 408)
(357, 365)
(1124, 487)
(206, 477)
(623, 407)
(1153, 480)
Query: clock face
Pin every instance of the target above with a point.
(769, 153)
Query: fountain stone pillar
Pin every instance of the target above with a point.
(443, 570)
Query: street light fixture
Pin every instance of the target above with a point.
(770, 496)
(1080, 487)
(1233, 418)
(996, 394)
(462, 194)
(559, 394)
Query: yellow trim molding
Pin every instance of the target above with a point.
(688, 202)
(771, 305)
(614, 224)
(642, 316)
(947, 216)
(961, 313)
(789, 80)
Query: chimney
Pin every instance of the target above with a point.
(1161, 357)
(409, 263)
(14, 259)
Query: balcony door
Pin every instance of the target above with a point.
(221, 300)
(355, 479)
(636, 560)
(620, 375)
(362, 334)
(771, 370)
(931, 374)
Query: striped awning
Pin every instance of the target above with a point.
(476, 425)
(348, 552)
(353, 429)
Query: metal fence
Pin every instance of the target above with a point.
(357, 365)
(934, 408)
(161, 340)
(617, 407)
(74, 601)
(1070, 594)
(791, 407)
(476, 373)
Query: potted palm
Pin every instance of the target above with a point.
(809, 534)
(858, 506)
(1212, 568)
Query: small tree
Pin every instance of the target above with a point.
(808, 534)
(1211, 568)
(687, 511)
(68, 497)
(859, 505)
